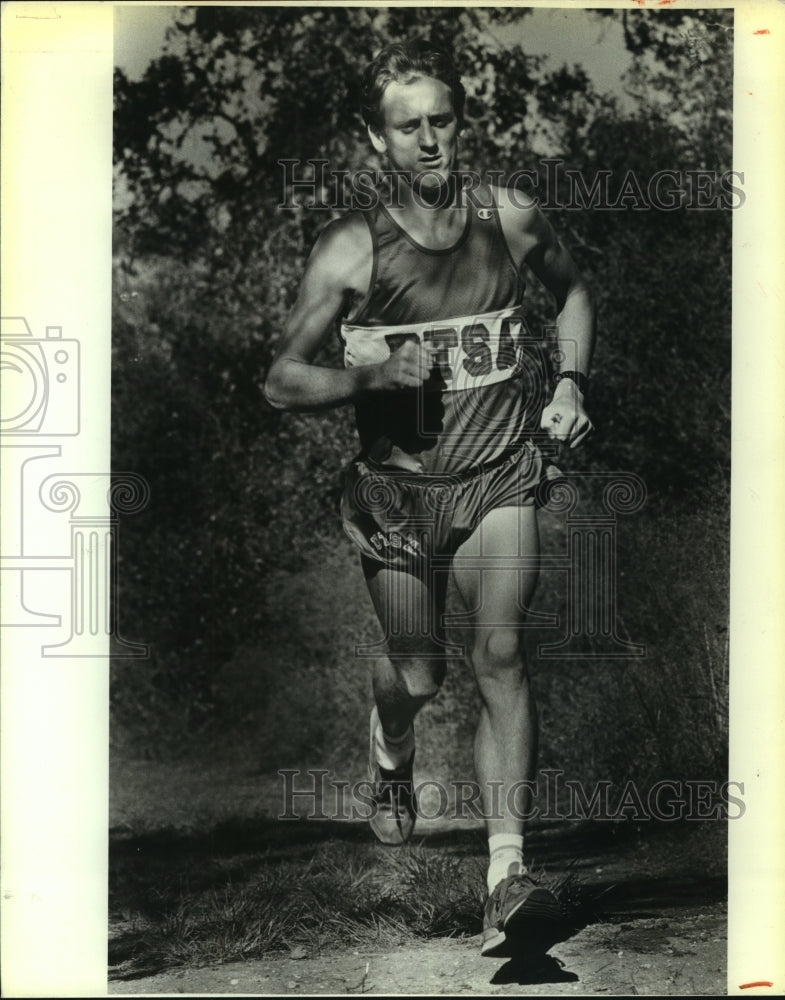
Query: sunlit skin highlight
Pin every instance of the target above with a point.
(420, 133)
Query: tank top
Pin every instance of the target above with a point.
(484, 394)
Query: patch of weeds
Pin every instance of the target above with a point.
(580, 903)
(341, 896)
(438, 894)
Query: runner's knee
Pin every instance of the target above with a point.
(498, 655)
(422, 678)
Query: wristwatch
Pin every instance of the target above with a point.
(577, 377)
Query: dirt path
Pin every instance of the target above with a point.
(679, 954)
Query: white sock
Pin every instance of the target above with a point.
(506, 851)
(393, 751)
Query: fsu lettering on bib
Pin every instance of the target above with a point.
(463, 304)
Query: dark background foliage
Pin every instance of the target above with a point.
(237, 574)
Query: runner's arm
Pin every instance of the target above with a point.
(533, 241)
(556, 269)
(565, 418)
(294, 382)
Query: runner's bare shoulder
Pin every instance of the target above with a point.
(514, 200)
(343, 254)
(523, 224)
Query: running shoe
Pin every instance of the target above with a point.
(516, 909)
(394, 803)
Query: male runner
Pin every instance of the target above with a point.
(448, 393)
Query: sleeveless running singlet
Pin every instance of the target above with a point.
(485, 391)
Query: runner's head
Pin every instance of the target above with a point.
(413, 106)
(403, 62)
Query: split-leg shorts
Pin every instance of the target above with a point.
(403, 520)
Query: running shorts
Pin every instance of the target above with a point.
(403, 520)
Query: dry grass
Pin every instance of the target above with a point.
(341, 896)
(173, 905)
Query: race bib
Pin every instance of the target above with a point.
(467, 351)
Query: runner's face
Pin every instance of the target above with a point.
(420, 133)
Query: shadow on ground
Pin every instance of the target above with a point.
(531, 971)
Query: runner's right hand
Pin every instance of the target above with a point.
(406, 368)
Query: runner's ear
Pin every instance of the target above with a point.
(377, 140)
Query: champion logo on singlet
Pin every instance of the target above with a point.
(468, 351)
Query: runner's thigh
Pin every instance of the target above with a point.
(496, 567)
(409, 608)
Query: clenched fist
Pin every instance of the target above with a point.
(406, 368)
(564, 418)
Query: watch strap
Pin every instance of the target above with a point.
(577, 377)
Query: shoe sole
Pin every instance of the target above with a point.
(494, 945)
(522, 924)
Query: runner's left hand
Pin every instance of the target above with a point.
(564, 418)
